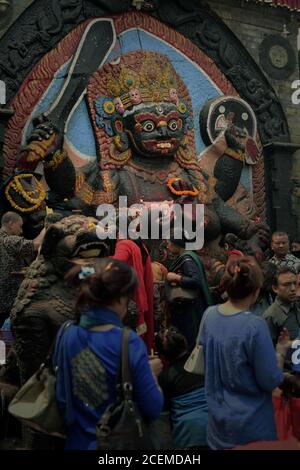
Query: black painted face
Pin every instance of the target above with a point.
(80, 248)
(155, 130)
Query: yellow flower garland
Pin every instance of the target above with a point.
(186, 192)
(15, 184)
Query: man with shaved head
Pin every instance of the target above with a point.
(281, 247)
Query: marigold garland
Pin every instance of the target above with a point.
(16, 185)
(185, 192)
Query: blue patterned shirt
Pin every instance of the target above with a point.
(240, 374)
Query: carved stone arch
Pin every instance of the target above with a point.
(43, 25)
(205, 29)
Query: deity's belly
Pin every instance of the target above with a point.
(137, 189)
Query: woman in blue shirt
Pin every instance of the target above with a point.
(88, 355)
(240, 363)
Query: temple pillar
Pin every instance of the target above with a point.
(282, 212)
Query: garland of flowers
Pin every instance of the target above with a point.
(16, 185)
(185, 192)
(152, 176)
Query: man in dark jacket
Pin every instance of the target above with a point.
(285, 311)
(187, 272)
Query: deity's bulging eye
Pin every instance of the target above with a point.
(148, 126)
(173, 125)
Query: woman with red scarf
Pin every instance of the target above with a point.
(136, 255)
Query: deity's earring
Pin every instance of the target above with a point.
(120, 152)
(120, 140)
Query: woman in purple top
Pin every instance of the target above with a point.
(240, 363)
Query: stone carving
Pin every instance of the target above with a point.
(234, 117)
(277, 57)
(38, 33)
(263, 103)
(44, 301)
(42, 27)
(218, 44)
(142, 117)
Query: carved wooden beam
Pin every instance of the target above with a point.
(5, 115)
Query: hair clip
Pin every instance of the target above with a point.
(86, 271)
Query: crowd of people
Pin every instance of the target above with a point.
(246, 335)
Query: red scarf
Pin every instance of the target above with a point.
(128, 252)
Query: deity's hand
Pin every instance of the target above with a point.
(238, 140)
(264, 235)
(258, 238)
(235, 137)
(42, 143)
(260, 230)
(260, 235)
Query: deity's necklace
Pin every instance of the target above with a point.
(153, 175)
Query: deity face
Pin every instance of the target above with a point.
(155, 130)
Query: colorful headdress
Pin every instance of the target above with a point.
(139, 77)
(153, 81)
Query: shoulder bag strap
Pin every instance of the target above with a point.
(48, 360)
(126, 375)
(177, 263)
(63, 336)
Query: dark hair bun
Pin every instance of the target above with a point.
(242, 277)
(111, 280)
(170, 343)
